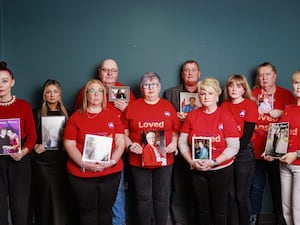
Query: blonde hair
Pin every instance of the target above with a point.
(60, 106)
(210, 84)
(296, 75)
(239, 79)
(84, 97)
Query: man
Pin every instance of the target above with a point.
(108, 73)
(191, 106)
(181, 181)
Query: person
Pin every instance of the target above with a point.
(191, 106)
(95, 184)
(239, 101)
(202, 151)
(290, 162)
(15, 169)
(120, 94)
(282, 143)
(152, 184)
(14, 140)
(108, 74)
(50, 187)
(4, 139)
(266, 75)
(181, 212)
(211, 178)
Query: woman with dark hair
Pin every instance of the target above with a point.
(15, 169)
(50, 190)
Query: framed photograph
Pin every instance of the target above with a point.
(52, 131)
(265, 103)
(201, 148)
(10, 136)
(97, 148)
(154, 148)
(277, 139)
(119, 93)
(189, 102)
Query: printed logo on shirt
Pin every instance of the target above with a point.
(111, 125)
(221, 127)
(167, 113)
(242, 113)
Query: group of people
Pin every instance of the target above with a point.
(58, 187)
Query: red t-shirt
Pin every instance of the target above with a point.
(245, 111)
(292, 115)
(106, 123)
(140, 116)
(282, 98)
(218, 126)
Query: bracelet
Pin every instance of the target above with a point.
(82, 167)
(129, 147)
(215, 163)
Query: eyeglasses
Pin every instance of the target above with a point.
(150, 85)
(106, 70)
(95, 92)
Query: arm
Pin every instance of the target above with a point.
(119, 149)
(248, 131)
(132, 146)
(172, 147)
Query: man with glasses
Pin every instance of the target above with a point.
(181, 180)
(108, 74)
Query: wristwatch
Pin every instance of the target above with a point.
(215, 163)
(298, 154)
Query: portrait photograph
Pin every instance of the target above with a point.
(119, 93)
(189, 102)
(10, 136)
(201, 148)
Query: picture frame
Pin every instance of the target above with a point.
(277, 140)
(52, 131)
(201, 148)
(119, 93)
(97, 148)
(186, 105)
(265, 103)
(10, 136)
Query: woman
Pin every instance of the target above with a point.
(152, 184)
(210, 177)
(290, 162)
(94, 183)
(50, 183)
(15, 170)
(239, 101)
(279, 98)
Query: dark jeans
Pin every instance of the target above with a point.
(262, 170)
(95, 197)
(15, 179)
(239, 200)
(211, 192)
(152, 193)
(182, 203)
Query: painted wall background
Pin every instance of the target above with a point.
(67, 39)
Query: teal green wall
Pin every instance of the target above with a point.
(66, 39)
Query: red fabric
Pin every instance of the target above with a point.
(149, 158)
(282, 98)
(245, 111)
(78, 101)
(22, 109)
(292, 115)
(140, 116)
(218, 125)
(106, 123)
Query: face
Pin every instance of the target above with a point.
(151, 89)
(108, 73)
(296, 86)
(52, 94)
(208, 98)
(95, 94)
(235, 90)
(3, 132)
(151, 138)
(6, 84)
(190, 74)
(266, 77)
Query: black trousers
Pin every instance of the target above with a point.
(15, 185)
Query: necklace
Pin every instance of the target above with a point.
(10, 102)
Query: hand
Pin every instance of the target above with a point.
(202, 165)
(172, 147)
(268, 158)
(121, 104)
(95, 166)
(18, 155)
(136, 148)
(276, 113)
(39, 148)
(288, 158)
(181, 115)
